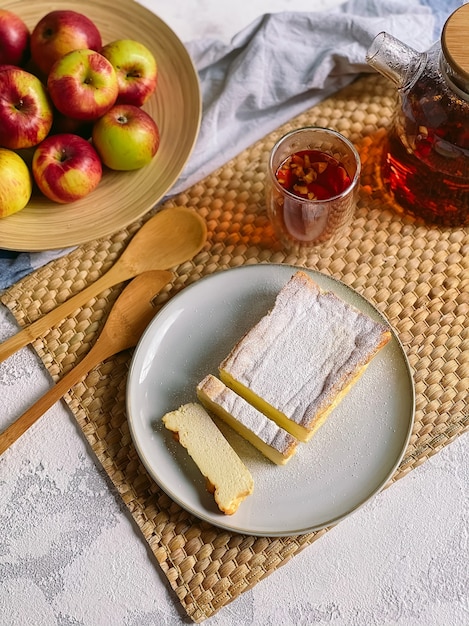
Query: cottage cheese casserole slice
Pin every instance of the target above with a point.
(298, 362)
(263, 433)
(226, 476)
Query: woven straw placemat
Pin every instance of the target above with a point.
(418, 276)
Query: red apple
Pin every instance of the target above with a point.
(136, 70)
(83, 84)
(66, 167)
(14, 39)
(25, 109)
(60, 32)
(126, 137)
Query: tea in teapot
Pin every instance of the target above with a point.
(426, 160)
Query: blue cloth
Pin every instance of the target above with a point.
(276, 68)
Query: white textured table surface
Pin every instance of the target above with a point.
(70, 554)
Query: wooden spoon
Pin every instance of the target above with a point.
(169, 238)
(130, 315)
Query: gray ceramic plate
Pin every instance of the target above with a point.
(349, 459)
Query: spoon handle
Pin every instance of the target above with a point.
(118, 273)
(44, 403)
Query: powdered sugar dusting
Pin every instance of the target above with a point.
(305, 350)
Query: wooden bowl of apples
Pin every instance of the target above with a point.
(122, 195)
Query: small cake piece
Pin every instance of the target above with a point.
(274, 442)
(301, 358)
(227, 477)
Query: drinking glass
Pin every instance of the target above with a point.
(318, 216)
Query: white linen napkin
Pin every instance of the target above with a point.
(284, 63)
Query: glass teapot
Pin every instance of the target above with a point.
(426, 160)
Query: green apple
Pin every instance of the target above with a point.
(136, 70)
(126, 137)
(15, 183)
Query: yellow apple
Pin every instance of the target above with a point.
(15, 183)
